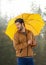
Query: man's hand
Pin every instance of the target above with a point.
(29, 42)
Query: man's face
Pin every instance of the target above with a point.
(19, 26)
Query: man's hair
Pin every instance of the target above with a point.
(20, 20)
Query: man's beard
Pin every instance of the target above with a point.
(21, 29)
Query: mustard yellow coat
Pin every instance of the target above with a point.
(20, 43)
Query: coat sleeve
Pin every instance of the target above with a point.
(18, 45)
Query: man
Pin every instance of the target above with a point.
(23, 43)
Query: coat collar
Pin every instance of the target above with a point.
(26, 31)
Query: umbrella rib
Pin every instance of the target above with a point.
(32, 27)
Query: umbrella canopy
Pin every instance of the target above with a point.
(33, 22)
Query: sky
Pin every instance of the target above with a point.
(13, 8)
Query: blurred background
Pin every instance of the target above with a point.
(10, 9)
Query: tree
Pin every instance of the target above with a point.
(35, 8)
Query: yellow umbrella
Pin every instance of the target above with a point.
(33, 22)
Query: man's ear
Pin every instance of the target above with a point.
(23, 24)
